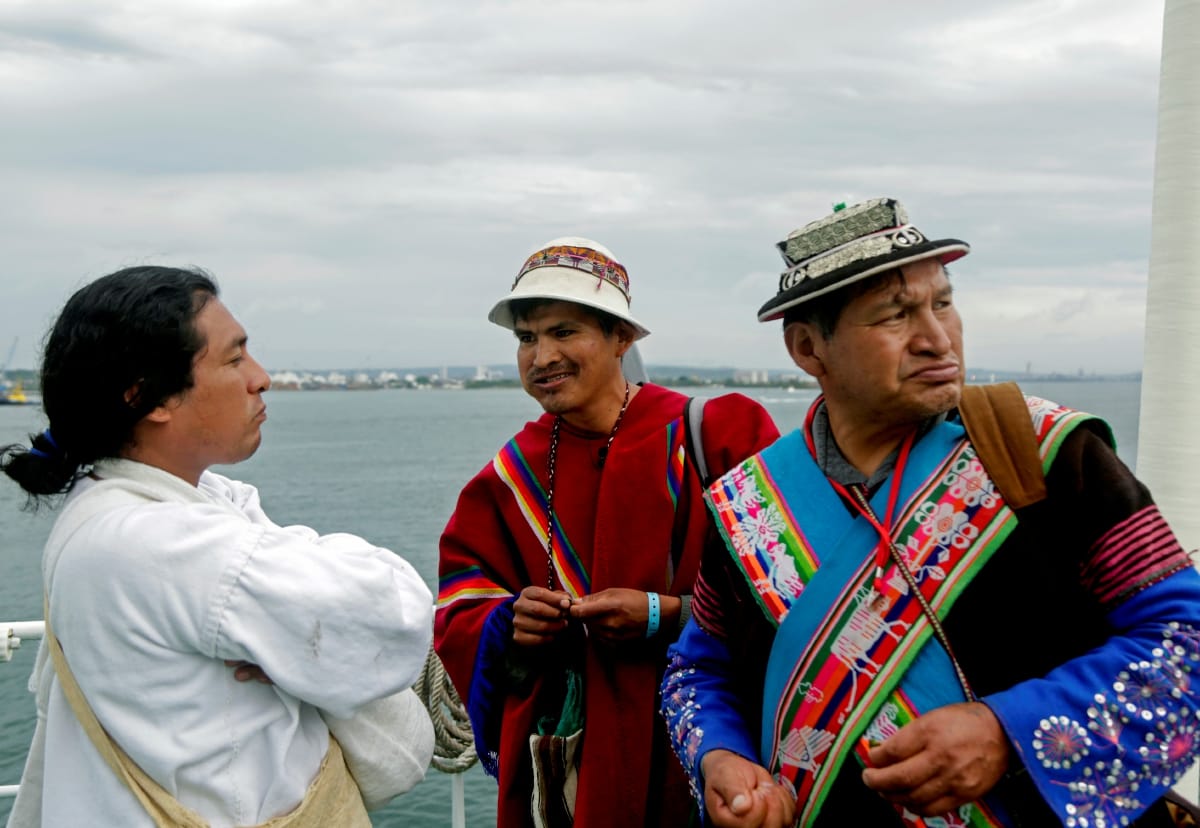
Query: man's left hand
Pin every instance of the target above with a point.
(619, 614)
(940, 761)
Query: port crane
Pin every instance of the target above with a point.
(4, 383)
(11, 393)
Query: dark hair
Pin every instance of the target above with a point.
(522, 308)
(824, 312)
(122, 346)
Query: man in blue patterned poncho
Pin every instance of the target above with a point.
(882, 639)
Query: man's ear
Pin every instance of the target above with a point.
(804, 342)
(160, 414)
(625, 337)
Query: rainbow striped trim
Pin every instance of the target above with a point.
(749, 506)
(513, 469)
(468, 584)
(1052, 423)
(675, 460)
(896, 712)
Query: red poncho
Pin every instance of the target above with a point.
(621, 522)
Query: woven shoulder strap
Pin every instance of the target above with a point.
(164, 809)
(332, 798)
(998, 422)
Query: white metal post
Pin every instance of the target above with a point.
(458, 801)
(1169, 426)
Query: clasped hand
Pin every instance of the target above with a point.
(739, 793)
(931, 766)
(610, 615)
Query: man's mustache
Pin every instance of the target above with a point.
(541, 373)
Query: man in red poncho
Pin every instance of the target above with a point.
(566, 569)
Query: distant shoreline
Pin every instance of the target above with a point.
(688, 382)
(675, 377)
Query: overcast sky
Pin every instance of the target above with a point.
(364, 178)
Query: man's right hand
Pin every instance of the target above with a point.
(741, 794)
(247, 671)
(539, 616)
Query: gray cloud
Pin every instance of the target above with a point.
(364, 179)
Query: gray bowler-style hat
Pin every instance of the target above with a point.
(849, 245)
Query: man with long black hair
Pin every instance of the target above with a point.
(159, 573)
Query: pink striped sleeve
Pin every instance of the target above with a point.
(1135, 553)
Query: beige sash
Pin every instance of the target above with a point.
(332, 798)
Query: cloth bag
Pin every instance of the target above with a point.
(387, 746)
(555, 751)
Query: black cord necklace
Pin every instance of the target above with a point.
(551, 459)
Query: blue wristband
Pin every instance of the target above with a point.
(655, 618)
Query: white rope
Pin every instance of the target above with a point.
(454, 748)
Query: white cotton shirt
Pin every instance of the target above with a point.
(152, 584)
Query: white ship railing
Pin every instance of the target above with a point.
(13, 633)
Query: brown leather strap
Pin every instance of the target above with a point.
(1183, 811)
(998, 422)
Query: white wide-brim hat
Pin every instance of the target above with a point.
(572, 269)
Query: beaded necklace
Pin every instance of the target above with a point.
(550, 469)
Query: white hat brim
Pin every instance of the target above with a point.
(565, 284)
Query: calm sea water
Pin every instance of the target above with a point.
(387, 465)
